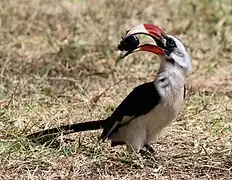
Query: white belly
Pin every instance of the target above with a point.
(158, 119)
(144, 129)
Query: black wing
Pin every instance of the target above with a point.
(139, 102)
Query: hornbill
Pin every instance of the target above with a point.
(149, 107)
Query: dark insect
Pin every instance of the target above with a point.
(128, 44)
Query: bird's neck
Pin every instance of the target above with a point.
(172, 72)
(169, 82)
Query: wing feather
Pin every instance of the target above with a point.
(140, 101)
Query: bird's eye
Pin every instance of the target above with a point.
(170, 43)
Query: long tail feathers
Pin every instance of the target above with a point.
(49, 134)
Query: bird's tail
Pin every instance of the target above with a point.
(49, 134)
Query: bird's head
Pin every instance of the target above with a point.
(168, 47)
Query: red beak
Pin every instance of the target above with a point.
(151, 30)
(148, 29)
(151, 48)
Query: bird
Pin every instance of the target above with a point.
(149, 107)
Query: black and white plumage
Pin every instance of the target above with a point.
(149, 107)
(139, 102)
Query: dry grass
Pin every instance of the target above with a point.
(57, 57)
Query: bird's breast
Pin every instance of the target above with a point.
(162, 115)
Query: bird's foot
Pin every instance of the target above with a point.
(148, 152)
(150, 149)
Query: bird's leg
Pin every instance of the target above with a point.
(148, 152)
(149, 148)
(143, 152)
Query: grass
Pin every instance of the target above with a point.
(58, 67)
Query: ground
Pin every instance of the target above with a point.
(58, 67)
